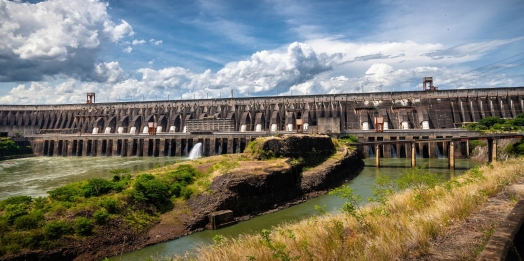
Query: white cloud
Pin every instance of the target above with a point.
(54, 37)
(127, 49)
(137, 42)
(155, 42)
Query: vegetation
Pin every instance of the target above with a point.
(402, 219)
(516, 148)
(82, 208)
(476, 143)
(494, 124)
(9, 148)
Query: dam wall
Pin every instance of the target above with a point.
(334, 113)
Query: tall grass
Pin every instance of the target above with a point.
(401, 225)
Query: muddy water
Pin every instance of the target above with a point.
(361, 185)
(37, 175)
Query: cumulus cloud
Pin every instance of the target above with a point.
(127, 49)
(298, 68)
(54, 37)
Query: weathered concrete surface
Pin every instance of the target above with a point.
(507, 243)
(320, 113)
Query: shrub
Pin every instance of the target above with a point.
(490, 121)
(101, 216)
(14, 200)
(476, 143)
(55, 229)
(83, 226)
(97, 187)
(31, 221)
(150, 189)
(186, 192)
(13, 211)
(516, 148)
(112, 206)
(66, 193)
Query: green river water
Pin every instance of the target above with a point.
(35, 176)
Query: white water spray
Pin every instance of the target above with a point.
(196, 151)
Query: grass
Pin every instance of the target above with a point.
(403, 224)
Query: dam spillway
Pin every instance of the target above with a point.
(227, 124)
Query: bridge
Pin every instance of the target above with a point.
(448, 143)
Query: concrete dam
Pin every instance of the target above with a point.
(226, 125)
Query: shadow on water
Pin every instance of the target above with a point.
(361, 185)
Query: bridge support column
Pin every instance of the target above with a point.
(377, 155)
(467, 148)
(84, 147)
(145, 148)
(413, 155)
(493, 150)
(451, 158)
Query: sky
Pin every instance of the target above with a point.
(56, 51)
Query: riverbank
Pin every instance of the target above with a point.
(450, 221)
(132, 218)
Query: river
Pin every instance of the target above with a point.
(361, 185)
(34, 176)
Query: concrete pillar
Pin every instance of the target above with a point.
(130, 147)
(230, 148)
(467, 148)
(178, 147)
(99, 147)
(493, 154)
(413, 155)
(162, 148)
(212, 147)
(145, 149)
(55, 148)
(69, 148)
(386, 148)
(114, 148)
(451, 158)
(377, 155)
(84, 147)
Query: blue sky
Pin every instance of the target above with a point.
(56, 51)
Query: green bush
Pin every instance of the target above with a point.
(490, 121)
(14, 200)
(100, 216)
(31, 221)
(66, 193)
(56, 229)
(13, 211)
(516, 148)
(186, 192)
(97, 187)
(147, 188)
(476, 143)
(83, 226)
(112, 206)
(8, 147)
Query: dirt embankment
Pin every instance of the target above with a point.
(253, 188)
